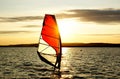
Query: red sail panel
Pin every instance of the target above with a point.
(50, 32)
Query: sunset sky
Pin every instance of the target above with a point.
(83, 21)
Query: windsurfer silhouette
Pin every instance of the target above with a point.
(58, 61)
(50, 37)
(58, 57)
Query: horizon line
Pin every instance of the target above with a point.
(68, 45)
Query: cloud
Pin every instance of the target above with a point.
(14, 32)
(93, 15)
(22, 18)
(99, 34)
(86, 15)
(32, 26)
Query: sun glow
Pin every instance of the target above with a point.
(66, 27)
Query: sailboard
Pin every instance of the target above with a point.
(49, 46)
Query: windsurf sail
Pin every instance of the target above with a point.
(50, 41)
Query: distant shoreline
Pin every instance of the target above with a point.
(90, 45)
(69, 45)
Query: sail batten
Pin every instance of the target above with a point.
(48, 45)
(50, 27)
(50, 36)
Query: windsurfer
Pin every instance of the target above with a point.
(50, 37)
(58, 61)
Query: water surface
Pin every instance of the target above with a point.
(77, 63)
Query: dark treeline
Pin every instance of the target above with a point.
(69, 45)
(90, 45)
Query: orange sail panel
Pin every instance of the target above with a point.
(50, 33)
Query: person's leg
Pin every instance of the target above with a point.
(59, 62)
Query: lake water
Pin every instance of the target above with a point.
(77, 63)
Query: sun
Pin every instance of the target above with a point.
(66, 27)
